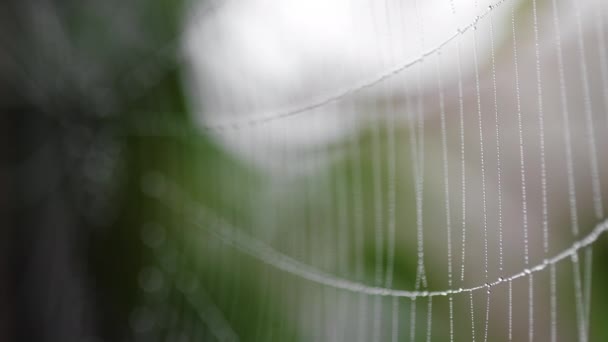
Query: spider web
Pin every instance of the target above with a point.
(460, 205)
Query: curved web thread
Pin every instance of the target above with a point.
(236, 125)
(346, 205)
(234, 237)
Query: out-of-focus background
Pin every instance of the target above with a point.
(254, 170)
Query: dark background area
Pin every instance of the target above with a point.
(71, 78)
